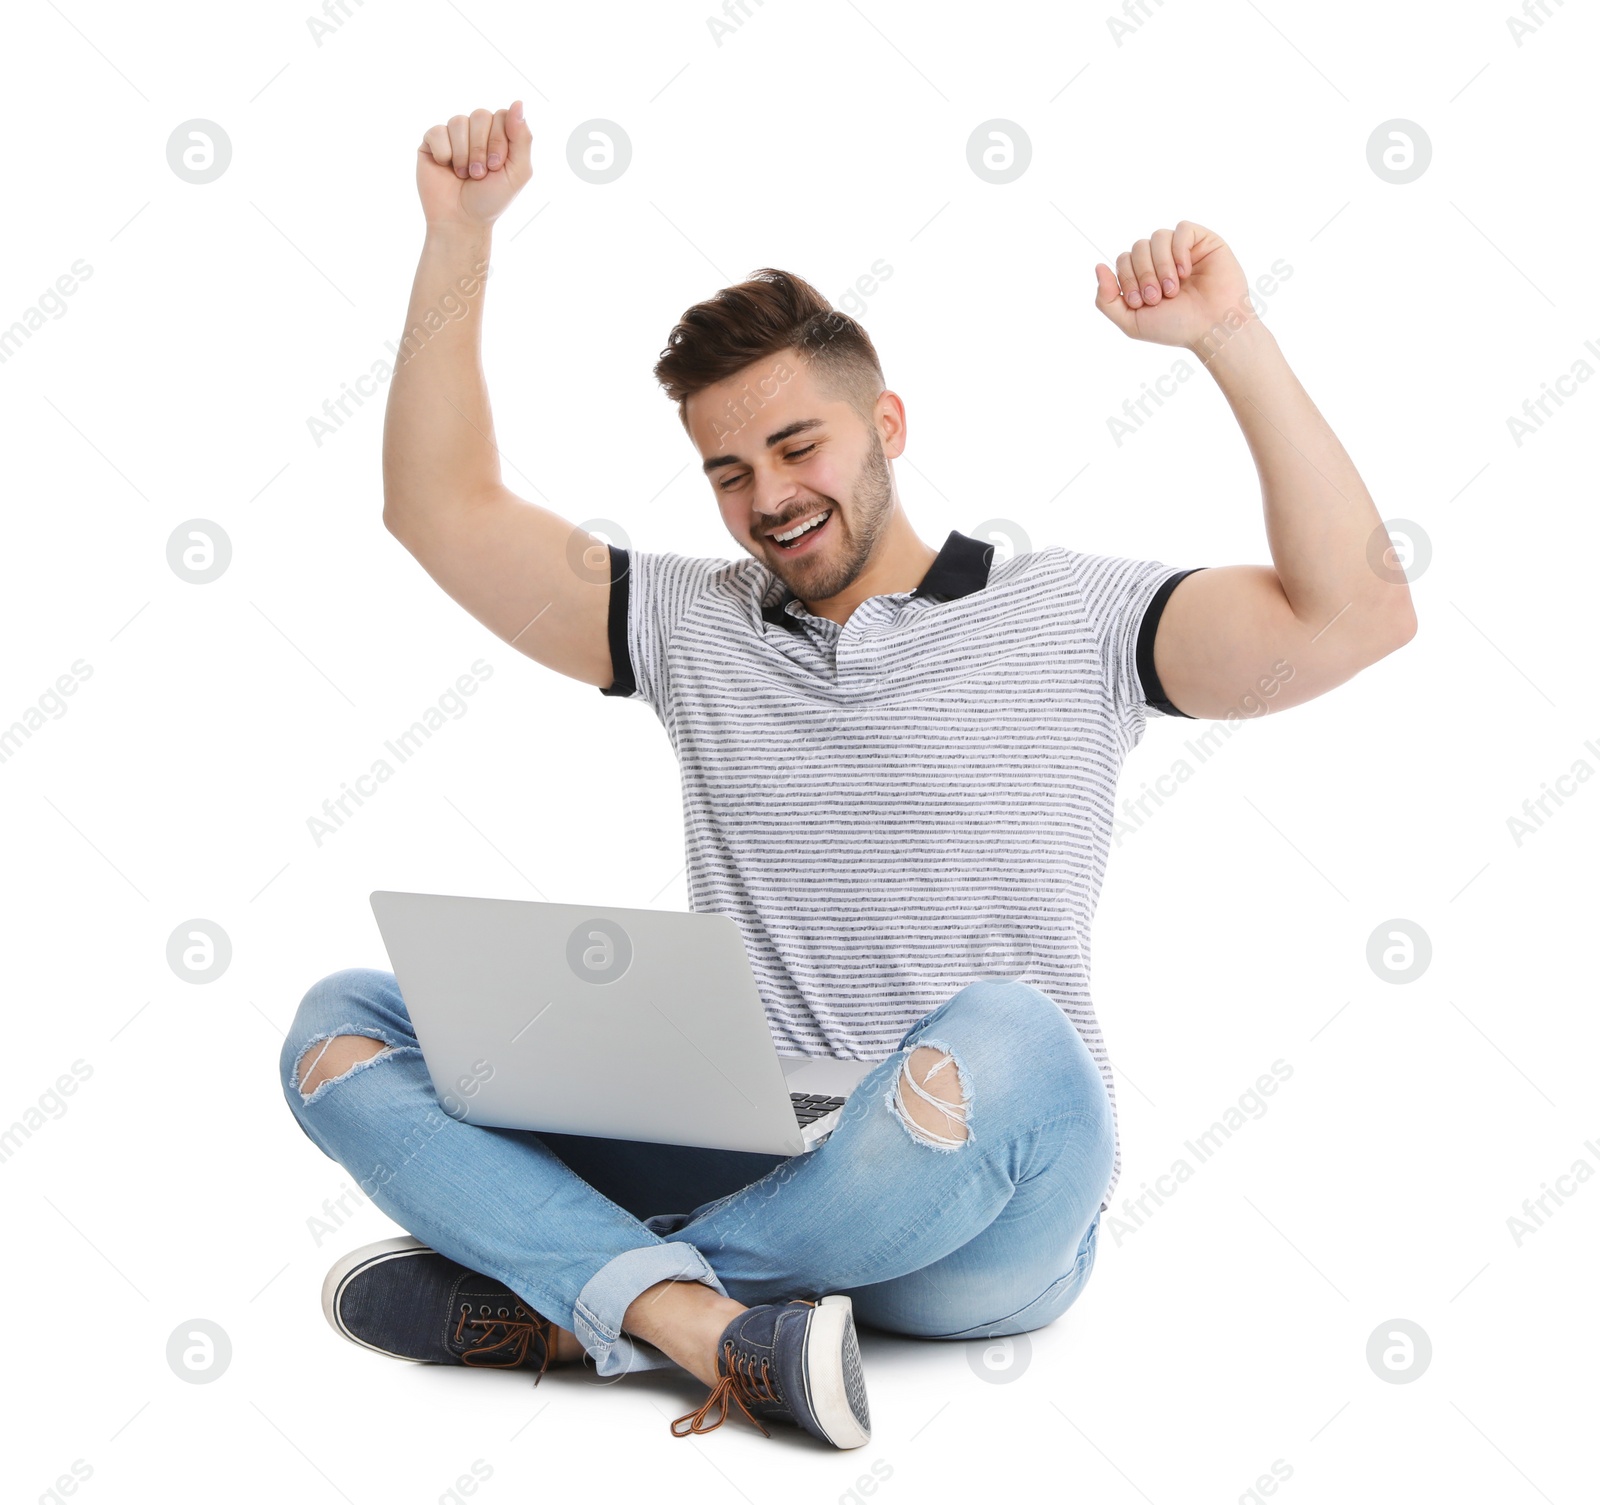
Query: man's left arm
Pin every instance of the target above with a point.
(1323, 606)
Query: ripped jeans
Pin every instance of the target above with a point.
(984, 1229)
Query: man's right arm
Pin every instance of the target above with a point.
(514, 565)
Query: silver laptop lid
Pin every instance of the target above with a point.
(624, 1023)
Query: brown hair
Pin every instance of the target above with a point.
(771, 312)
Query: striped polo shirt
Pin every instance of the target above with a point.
(899, 806)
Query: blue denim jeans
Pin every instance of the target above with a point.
(989, 1236)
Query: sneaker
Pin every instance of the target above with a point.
(401, 1298)
(792, 1361)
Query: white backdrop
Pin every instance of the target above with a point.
(1225, 1332)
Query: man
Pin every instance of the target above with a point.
(899, 768)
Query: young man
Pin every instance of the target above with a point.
(899, 766)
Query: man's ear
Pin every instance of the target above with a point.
(889, 418)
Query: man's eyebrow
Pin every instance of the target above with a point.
(797, 427)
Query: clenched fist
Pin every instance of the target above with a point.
(1174, 288)
(469, 170)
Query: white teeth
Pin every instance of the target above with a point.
(805, 527)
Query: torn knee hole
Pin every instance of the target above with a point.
(930, 1098)
(334, 1057)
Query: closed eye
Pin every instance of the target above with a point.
(793, 454)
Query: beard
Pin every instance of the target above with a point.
(822, 576)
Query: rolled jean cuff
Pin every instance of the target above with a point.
(602, 1303)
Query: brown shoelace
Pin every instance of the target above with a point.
(508, 1347)
(741, 1384)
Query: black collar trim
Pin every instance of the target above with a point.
(962, 567)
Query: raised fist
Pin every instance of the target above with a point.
(1174, 288)
(469, 170)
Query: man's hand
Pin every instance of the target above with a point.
(1174, 288)
(469, 170)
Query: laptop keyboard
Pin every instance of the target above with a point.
(810, 1106)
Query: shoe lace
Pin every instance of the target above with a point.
(504, 1341)
(743, 1384)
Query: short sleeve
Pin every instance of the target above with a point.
(1122, 600)
(650, 595)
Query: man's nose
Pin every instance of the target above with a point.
(771, 497)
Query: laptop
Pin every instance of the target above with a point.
(638, 1024)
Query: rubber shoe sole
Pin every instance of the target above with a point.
(836, 1390)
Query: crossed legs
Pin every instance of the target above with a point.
(956, 1195)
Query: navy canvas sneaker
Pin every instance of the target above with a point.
(404, 1299)
(792, 1361)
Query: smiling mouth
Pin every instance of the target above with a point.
(796, 533)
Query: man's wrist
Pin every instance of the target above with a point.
(1234, 347)
(459, 235)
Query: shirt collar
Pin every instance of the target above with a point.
(960, 568)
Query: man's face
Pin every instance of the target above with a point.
(781, 456)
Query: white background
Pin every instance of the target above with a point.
(1227, 1332)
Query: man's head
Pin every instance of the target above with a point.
(784, 398)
